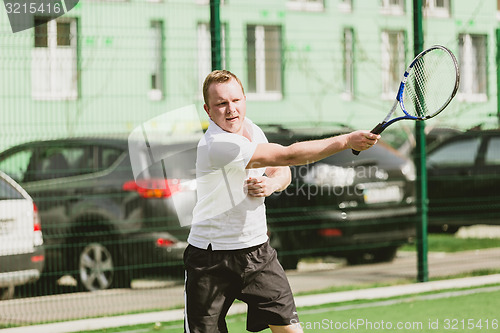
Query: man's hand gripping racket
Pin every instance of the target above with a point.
(427, 87)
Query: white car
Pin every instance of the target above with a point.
(22, 255)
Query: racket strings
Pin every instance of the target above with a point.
(430, 84)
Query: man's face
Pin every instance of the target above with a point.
(227, 106)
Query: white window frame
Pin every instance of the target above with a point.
(54, 68)
(469, 67)
(432, 10)
(262, 93)
(390, 81)
(306, 5)
(157, 68)
(391, 9)
(345, 6)
(348, 64)
(205, 52)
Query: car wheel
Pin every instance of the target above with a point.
(96, 267)
(7, 293)
(385, 254)
(289, 261)
(450, 229)
(356, 258)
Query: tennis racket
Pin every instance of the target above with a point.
(427, 87)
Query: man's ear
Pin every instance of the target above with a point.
(205, 107)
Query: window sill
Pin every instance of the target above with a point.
(305, 7)
(155, 95)
(268, 96)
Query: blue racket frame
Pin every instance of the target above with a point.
(399, 97)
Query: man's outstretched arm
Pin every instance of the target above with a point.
(305, 152)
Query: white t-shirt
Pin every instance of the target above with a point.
(224, 215)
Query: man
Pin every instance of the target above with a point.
(229, 256)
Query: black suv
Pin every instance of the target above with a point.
(463, 180)
(358, 207)
(102, 225)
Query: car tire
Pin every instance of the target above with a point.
(356, 258)
(289, 261)
(7, 293)
(449, 229)
(384, 254)
(97, 268)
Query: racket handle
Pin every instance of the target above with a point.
(376, 130)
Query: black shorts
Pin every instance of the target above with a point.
(214, 279)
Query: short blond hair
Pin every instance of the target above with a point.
(218, 76)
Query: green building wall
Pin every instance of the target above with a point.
(114, 53)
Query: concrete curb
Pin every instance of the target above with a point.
(301, 301)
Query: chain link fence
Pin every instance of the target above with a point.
(74, 88)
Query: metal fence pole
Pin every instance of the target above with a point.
(498, 76)
(215, 33)
(420, 161)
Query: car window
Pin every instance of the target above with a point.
(460, 153)
(378, 154)
(8, 192)
(108, 156)
(16, 164)
(177, 164)
(493, 152)
(58, 162)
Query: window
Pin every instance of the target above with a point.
(59, 162)
(205, 51)
(157, 88)
(306, 5)
(498, 9)
(461, 153)
(437, 8)
(54, 162)
(54, 60)
(393, 7)
(264, 61)
(8, 192)
(393, 62)
(472, 59)
(107, 157)
(348, 61)
(345, 5)
(16, 164)
(493, 152)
